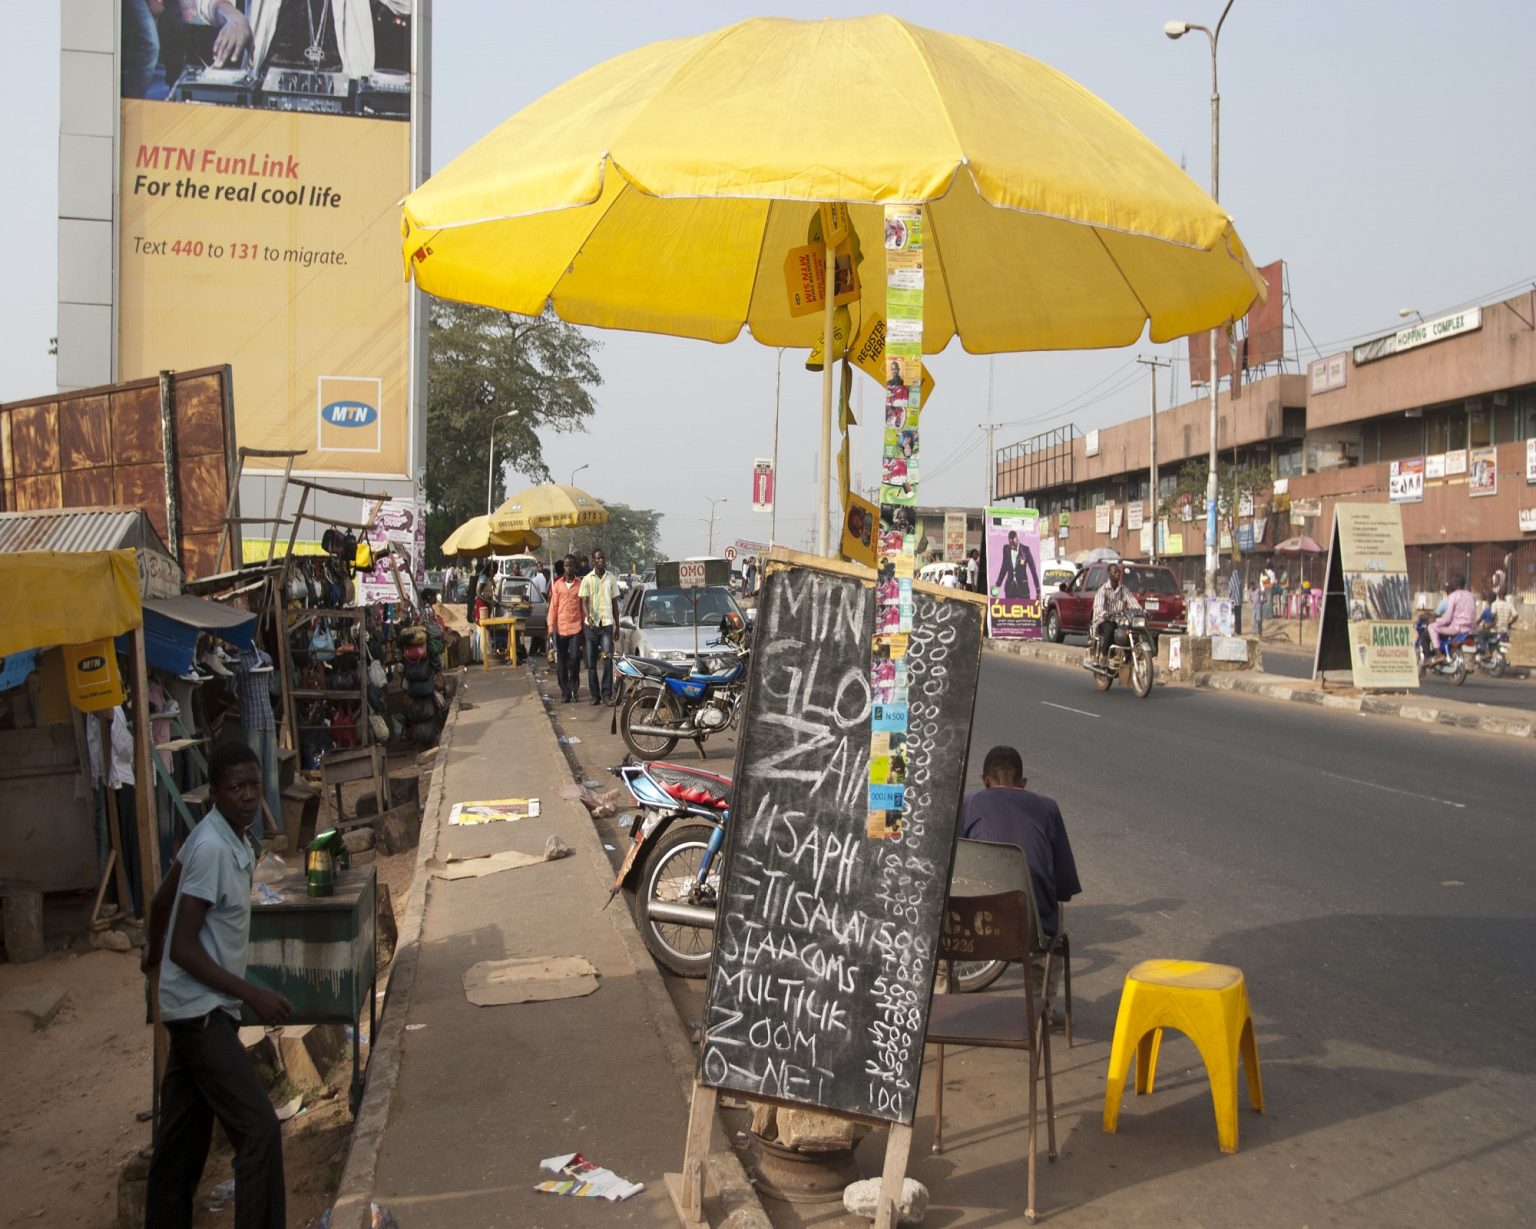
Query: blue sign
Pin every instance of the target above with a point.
(1245, 537)
(349, 414)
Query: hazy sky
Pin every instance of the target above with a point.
(1384, 150)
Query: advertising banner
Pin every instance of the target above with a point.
(1530, 461)
(1013, 586)
(1405, 482)
(1133, 515)
(1368, 566)
(1483, 472)
(260, 189)
(762, 485)
(398, 539)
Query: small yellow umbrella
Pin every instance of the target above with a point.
(475, 538)
(549, 506)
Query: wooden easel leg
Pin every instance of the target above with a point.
(898, 1147)
(687, 1188)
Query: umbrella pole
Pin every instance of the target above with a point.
(824, 537)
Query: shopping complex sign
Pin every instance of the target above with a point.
(1421, 334)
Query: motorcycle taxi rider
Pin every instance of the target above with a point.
(1458, 618)
(1112, 598)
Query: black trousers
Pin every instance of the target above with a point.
(568, 651)
(208, 1076)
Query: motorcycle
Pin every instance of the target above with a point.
(671, 865)
(1494, 660)
(659, 703)
(1459, 649)
(1131, 657)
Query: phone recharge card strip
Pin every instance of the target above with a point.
(896, 561)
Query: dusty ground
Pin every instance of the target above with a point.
(71, 1095)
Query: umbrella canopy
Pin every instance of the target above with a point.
(548, 507)
(1100, 554)
(662, 190)
(475, 538)
(1302, 545)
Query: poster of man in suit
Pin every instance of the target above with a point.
(1013, 554)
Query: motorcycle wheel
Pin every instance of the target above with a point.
(973, 975)
(1498, 665)
(649, 706)
(1053, 626)
(670, 867)
(1142, 672)
(1459, 670)
(1103, 681)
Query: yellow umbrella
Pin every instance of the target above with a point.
(661, 190)
(475, 538)
(550, 506)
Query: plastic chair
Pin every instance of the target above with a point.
(1206, 1002)
(1000, 926)
(980, 870)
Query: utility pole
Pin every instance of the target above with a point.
(1152, 364)
(990, 483)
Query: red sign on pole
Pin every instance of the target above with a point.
(762, 485)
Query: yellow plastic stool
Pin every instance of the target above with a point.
(1206, 1002)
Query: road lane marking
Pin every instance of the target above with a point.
(1407, 793)
(1080, 712)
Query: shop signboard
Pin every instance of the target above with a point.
(1420, 334)
(1483, 473)
(1101, 518)
(954, 536)
(1405, 481)
(1133, 515)
(1530, 461)
(397, 540)
(1434, 465)
(1455, 462)
(762, 484)
(1367, 600)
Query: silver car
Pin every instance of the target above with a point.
(659, 623)
(519, 596)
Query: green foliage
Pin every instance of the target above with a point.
(482, 363)
(631, 540)
(1232, 483)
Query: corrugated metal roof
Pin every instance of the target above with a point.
(78, 529)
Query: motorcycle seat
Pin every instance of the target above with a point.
(654, 667)
(693, 785)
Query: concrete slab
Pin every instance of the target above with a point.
(37, 1004)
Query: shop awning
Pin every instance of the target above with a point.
(173, 624)
(58, 597)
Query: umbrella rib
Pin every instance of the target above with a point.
(938, 250)
(1146, 316)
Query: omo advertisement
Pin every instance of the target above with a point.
(263, 157)
(1368, 545)
(1013, 574)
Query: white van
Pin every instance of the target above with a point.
(934, 573)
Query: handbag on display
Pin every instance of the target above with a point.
(379, 726)
(322, 644)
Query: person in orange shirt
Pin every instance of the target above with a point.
(565, 622)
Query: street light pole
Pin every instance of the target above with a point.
(490, 465)
(1177, 29)
(576, 471)
(712, 502)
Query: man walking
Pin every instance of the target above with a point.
(1235, 596)
(600, 615)
(1004, 811)
(563, 624)
(205, 905)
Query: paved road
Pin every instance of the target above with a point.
(1373, 879)
(1506, 692)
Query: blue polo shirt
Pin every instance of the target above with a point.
(216, 867)
(1032, 822)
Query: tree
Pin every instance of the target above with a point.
(630, 541)
(482, 363)
(1232, 483)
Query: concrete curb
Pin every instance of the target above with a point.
(1271, 687)
(738, 1197)
(354, 1191)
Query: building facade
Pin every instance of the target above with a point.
(1439, 418)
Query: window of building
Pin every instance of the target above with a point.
(1288, 460)
(1446, 429)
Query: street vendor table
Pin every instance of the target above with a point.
(318, 953)
(512, 623)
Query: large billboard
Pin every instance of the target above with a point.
(265, 147)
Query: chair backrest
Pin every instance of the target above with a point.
(987, 868)
(991, 927)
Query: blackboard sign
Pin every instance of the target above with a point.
(825, 945)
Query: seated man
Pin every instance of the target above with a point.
(1005, 812)
(1459, 618)
(1112, 598)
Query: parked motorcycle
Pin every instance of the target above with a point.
(671, 866)
(659, 703)
(1131, 656)
(1494, 660)
(1460, 650)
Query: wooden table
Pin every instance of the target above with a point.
(511, 623)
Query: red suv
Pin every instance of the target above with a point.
(1069, 610)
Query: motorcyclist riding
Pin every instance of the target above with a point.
(1112, 598)
(1460, 617)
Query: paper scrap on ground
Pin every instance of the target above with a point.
(287, 1111)
(582, 1177)
(529, 979)
(453, 867)
(495, 810)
